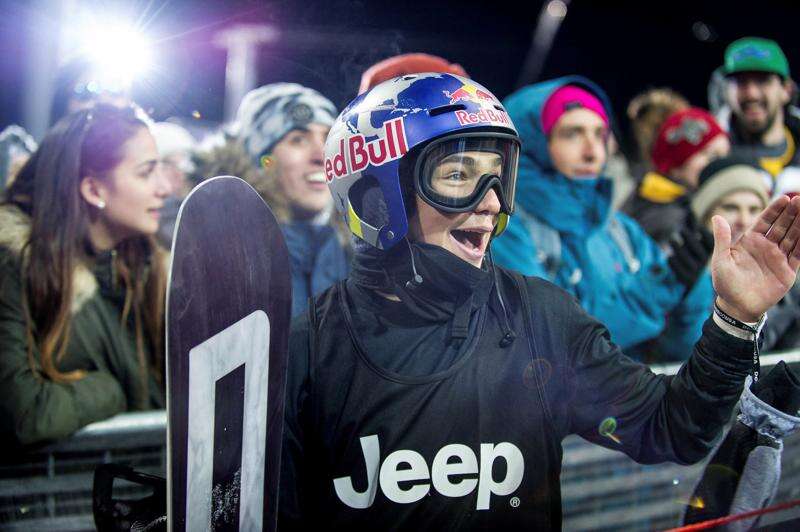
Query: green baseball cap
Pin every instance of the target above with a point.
(753, 54)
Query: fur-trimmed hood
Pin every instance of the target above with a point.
(227, 156)
(16, 229)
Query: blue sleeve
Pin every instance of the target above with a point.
(657, 305)
(515, 250)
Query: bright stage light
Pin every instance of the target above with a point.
(117, 52)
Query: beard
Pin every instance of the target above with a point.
(755, 129)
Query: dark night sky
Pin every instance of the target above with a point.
(625, 46)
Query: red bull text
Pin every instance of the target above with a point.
(357, 154)
(484, 116)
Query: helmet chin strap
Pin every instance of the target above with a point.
(416, 280)
(508, 333)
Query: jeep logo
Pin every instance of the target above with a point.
(450, 473)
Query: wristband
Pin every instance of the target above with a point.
(754, 330)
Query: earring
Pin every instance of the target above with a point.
(101, 204)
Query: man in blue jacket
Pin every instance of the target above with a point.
(565, 231)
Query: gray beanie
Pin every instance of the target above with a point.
(724, 176)
(268, 113)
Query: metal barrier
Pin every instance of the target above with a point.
(51, 488)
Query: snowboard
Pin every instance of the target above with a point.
(228, 311)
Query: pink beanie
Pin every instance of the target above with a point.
(565, 99)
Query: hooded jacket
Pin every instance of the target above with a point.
(35, 409)
(617, 272)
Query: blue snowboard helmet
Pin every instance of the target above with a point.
(419, 127)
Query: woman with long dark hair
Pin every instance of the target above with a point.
(82, 282)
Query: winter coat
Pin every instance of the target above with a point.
(317, 260)
(355, 411)
(617, 272)
(35, 409)
(659, 206)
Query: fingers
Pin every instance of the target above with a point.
(794, 257)
(792, 235)
(770, 215)
(781, 226)
(722, 236)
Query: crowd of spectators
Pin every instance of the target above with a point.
(87, 217)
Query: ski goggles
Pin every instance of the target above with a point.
(453, 174)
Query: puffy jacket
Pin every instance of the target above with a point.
(35, 409)
(617, 272)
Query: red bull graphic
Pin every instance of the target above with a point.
(494, 117)
(355, 153)
(470, 93)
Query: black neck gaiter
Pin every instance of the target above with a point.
(450, 287)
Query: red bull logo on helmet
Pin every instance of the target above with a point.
(494, 117)
(470, 93)
(355, 153)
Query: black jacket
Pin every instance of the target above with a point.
(659, 217)
(477, 445)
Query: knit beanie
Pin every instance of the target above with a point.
(726, 175)
(268, 113)
(565, 99)
(682, 135)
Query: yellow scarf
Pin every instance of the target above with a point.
(659, 189)
(775, 165)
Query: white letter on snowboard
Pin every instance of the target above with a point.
(245, 342)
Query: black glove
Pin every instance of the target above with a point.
(691, 248)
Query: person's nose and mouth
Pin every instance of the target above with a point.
(473, 236)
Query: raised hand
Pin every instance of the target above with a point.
(754, 273)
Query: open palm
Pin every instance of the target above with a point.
(754, 273)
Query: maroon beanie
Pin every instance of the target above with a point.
(682, 135)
